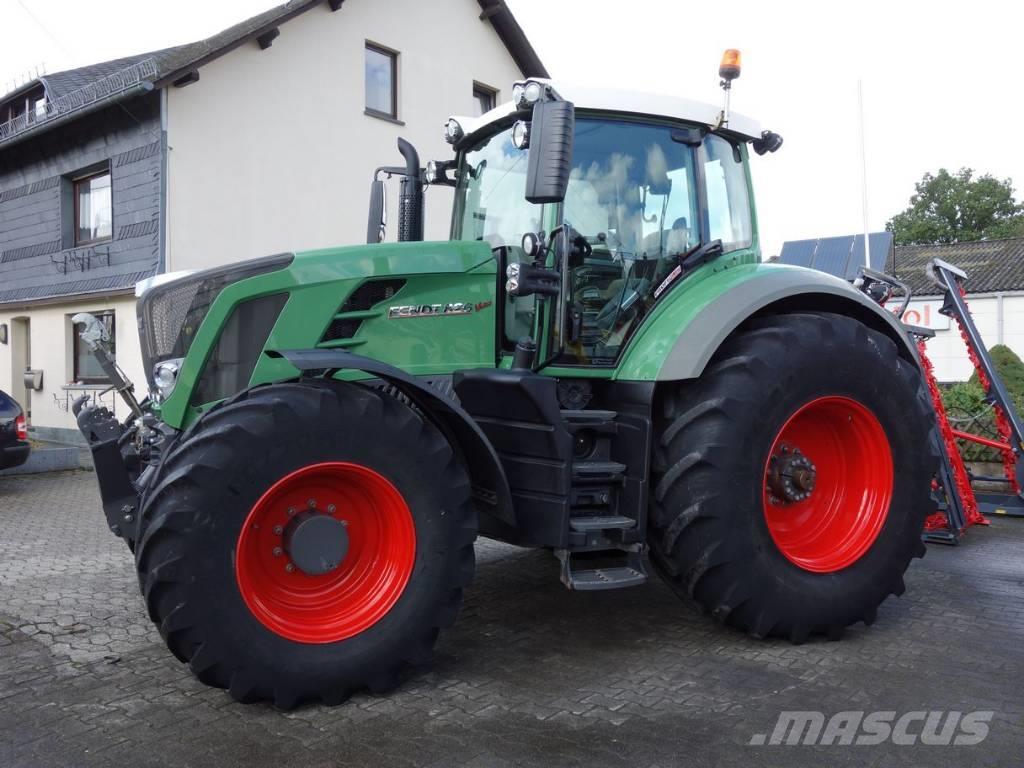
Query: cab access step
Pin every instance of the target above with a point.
(578, 472)
(596, 561)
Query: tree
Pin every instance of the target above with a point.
(953, 208)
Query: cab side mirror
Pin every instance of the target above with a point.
(377, 220)
(550, 160)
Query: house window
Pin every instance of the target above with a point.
(30, 105)
(484, 98)
(381, 81)
(93, 208)
(87, 370)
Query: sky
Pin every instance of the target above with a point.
(941, 79)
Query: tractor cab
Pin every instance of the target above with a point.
(640, 194)
(595, 203)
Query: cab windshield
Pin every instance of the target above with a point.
(632, 200)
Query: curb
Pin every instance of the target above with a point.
(55, 458)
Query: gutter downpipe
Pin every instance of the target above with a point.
(164, 183)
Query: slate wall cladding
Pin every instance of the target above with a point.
(37, 255)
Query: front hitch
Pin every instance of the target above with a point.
(118, 494)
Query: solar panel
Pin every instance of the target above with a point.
(839, 256)
(833, 256)
(800, 253)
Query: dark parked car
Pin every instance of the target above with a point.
(14, 447)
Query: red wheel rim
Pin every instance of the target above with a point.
(852, 482)
(362, 588)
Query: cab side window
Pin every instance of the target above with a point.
(728, 201)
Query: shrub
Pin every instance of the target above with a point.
(1009, 367)
(966, 397)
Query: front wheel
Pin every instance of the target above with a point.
(303, 541)
(793, 478)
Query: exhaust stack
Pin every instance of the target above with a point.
(410, 195)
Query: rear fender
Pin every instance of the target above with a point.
(490, 486)
(678, 341)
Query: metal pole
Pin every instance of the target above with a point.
(863, 172)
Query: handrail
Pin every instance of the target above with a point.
(105, 88)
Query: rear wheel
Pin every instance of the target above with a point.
(303, 541)
(791, 481)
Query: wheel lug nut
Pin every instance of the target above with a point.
(290, 568)
(345, 523)
(278, 530)
(291, 511)
(330, 509)
(311, 503)
(278, 551)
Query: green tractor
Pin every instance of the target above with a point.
(596, 363)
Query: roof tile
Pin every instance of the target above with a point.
(991, 265)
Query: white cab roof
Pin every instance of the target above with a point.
(629, 102)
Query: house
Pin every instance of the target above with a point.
(995, 295)
(81, 160)
(260, 139)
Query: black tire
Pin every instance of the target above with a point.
(710, 539)
(194, 511)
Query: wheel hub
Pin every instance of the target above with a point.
(315, 542)
(791, 475)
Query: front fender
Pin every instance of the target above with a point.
(490, 486)
(681, 336)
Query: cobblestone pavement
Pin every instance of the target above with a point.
(530, 675)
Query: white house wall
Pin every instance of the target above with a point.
(271, 151)
(947, 350)
(51, 352)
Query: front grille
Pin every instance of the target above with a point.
(167, 315)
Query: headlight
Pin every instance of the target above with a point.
(521, 135)
(526, 94)
(430, 174)
(532, 245)
(452, 131)
(512, 273)
(165, 376)
(170, 314)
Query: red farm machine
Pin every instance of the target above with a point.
(958, 504)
